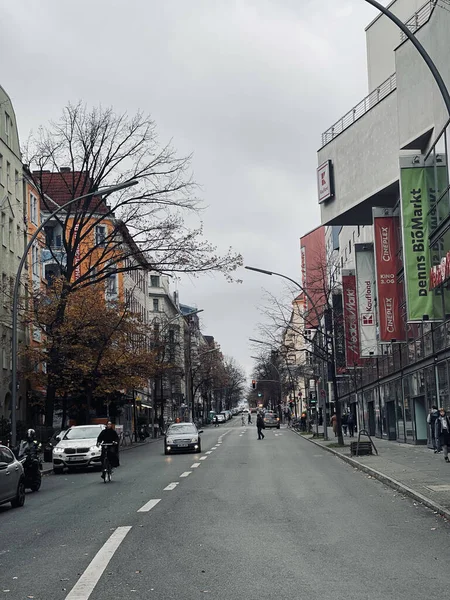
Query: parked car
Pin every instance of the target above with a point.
(182, 437)
(221, 418)
(271, 420)
(12, 480)
(51, 443)
(78, 448)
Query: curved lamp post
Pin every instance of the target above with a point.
(99, 192)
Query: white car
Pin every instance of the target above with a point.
(12, 483)
(78, 448)
(221, 418)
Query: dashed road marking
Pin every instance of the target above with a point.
(195, 465)
(203, 458)
(186, 474)
(209, 452)
(89, 579)
(149, 505)
(171, 486)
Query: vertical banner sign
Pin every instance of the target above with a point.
(351, 328)
(338, 333)
(388, 289)
(365, 287)
(417, 189)
(77, 254)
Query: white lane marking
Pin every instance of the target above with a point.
(214, 448)
(195, 465)
(171, 486)
(209, 452)
(87, 582)
(203, 458)
(149, 505)
(186, 474)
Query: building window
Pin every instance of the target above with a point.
(154, 280)
(1, 169)
(33, 209)
(18, 241)
(10, 235)
(35, 260)
(3, 225)
(349, 246)
(8, 175)
(100, 235)
(111, 284)
(8, 129)
(359, 230)
(16, 182)
(155, 305)
(4, 352)
(5, 289)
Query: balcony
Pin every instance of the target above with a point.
(358, 111)
(419, 18)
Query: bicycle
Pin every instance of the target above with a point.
(106, 463)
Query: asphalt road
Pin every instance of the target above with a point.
(277, 518)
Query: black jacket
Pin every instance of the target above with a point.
(108, 436)
(441, 433)
(259, 422)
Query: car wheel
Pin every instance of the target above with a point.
(19, 500)
(47, 456)
(278, 427)
(166, 452)
(58, 470)
(199, 448)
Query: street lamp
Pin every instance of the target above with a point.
(328, 340)
(99, 192)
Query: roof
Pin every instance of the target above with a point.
(63, 186)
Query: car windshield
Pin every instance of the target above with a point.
(270, 416)
(80, 433)
(181, 428)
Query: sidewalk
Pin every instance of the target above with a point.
(47, 467)
(413, 470)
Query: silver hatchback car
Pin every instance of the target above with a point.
(12, 482)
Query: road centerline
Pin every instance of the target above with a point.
(186, 474)
(171, 486)
(195, 465)
(89, 579)
(149, 505)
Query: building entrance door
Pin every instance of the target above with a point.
(371, 411)
(391, 421)
(420, 420)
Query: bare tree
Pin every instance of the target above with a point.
(89, 149)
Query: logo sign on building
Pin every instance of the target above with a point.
(387, 265)
(440, 273)
(351, 327)
(77, 254)
(418, 191)
(365, 287)
(325, 181)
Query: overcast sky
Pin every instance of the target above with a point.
(248, 86)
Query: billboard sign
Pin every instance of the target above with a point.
(365, 287)
(391, 325)
(351, 327)
(325, 183)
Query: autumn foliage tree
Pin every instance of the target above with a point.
(102, 348)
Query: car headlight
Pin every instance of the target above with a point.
(169, 441)
(95, 448)
(58, 450)
(194, 440)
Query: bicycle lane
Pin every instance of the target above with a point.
(48, 544)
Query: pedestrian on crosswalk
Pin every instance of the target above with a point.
(260, 426)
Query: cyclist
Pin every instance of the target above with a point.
(109, 436)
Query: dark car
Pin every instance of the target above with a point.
(271, 420)
(182, 437)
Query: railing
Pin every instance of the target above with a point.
(383, 90)
(419, 18)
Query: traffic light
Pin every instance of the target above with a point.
(254, 384)
(312, 398)
(259, 394)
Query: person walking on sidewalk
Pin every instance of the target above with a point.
(351, 424)
(249, 417)
(260, 426)
(344, 422)
(431, 420)
(442, 431)
(334, 425)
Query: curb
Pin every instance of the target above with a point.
(390, 481)
(135, 445)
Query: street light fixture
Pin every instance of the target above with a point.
(14, 350)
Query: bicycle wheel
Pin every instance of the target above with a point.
(109, 473)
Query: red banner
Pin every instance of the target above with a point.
(387, 266)
(350, 307)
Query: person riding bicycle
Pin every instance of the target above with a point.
(109, 436)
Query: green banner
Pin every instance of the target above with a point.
(418, 191)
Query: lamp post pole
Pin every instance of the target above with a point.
(14, 350)
(329, 342)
